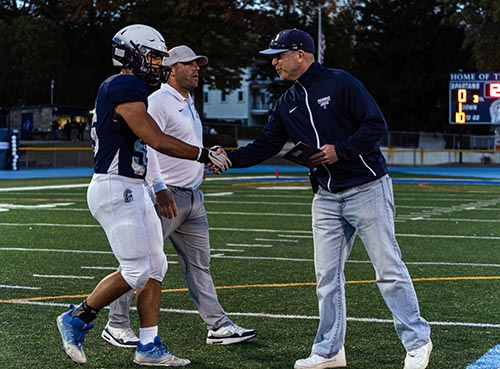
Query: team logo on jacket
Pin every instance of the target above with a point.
(324, 101)
(128, 196)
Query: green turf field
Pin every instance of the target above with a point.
(262, 264)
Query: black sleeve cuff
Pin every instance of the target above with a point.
(204, 156)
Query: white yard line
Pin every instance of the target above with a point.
(19, 287)
(274, 240)
(447, 236)
(99, 268)
(283, 316)
(228, 250)
(308, 215)
(62, 276)
(55, 250)
(37, 188)
(36, 206)
(50, 225)
(294, 236)
(427, 217)
(266, 203)
(479, 265)
(248, 245)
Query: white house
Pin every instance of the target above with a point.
(247, 105)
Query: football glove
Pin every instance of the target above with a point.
(210, 156)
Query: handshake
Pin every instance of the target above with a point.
(215, 159)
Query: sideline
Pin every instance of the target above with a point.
(490, 360)
(489, 175)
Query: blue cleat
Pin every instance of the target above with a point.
(73, 332)
(155, 354)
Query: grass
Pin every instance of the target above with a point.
(448, 234)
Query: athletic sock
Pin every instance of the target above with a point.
(148, 334)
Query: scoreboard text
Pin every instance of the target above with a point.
(474, 98)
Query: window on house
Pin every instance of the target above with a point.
(259, 100)
(223, 96)
(205, 97)
(240, 96)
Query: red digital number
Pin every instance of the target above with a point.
(493, 90)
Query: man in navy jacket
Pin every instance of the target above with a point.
(331, 110)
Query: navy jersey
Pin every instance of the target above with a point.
(117, 149)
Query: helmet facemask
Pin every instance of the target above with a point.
(150, 65)
(142, 50)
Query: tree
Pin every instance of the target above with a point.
(481, 21)
(286, 14)
(30, 48)
(7, 67)
(224, 30)
(402, 50)
(68, 41)
(404, 53)
(88, 28)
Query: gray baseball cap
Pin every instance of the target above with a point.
(184, 54)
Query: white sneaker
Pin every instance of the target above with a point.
(120, 337)
(229, 334)
(319, 362)
(419, 358)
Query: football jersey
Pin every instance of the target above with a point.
(117, 149)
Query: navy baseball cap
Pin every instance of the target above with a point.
(290, 39)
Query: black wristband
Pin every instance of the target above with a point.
(204, 156)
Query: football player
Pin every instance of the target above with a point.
(117, 197)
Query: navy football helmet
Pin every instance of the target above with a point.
(134, 48)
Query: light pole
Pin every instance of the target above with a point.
(52, 85)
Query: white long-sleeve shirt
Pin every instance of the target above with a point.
(176, 116)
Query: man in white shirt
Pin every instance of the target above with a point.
(184, 220)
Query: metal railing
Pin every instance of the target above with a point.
(426, 140)
(399, 148)
(55, 157)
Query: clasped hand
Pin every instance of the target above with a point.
(219, 161)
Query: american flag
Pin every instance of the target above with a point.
(322, 48)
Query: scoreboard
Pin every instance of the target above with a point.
(474, 98)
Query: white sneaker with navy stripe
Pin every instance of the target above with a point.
(230, 334)
(120, 337)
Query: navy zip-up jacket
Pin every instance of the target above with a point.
(325, 106)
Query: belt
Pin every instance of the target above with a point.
(183, 189)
